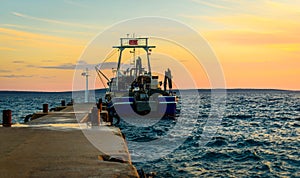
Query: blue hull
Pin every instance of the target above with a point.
(126, 106)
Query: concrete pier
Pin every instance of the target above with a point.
(56, 145)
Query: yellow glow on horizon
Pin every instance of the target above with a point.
(25, 55)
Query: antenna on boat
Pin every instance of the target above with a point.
(86, 94)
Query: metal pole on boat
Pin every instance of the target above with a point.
(149, 66)
(134, 60)
(119, 65)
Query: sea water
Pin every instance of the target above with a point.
(258, 135)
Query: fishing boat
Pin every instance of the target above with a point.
(135, 91)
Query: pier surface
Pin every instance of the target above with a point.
(55, 145)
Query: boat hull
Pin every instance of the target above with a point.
(128, 107)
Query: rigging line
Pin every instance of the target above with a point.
(108, 57)
(111, 54)
(98, 72)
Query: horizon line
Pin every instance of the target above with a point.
(66, 91)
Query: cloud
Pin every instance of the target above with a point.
(37, 43)
(30, 65)
(107, 65)
(57, 22)
(82, 62)
(68, 66)
(22, 35)
(254, 30)
(290, 7)
(213, 5)
(16, 76)
(48, 60)
(4, 71)
(111, 65)
(48, 30)
(7, 49)
(74, 3)
(244, 37)
(196, 17)
(254, 22)
(18, 62)
(47, 77)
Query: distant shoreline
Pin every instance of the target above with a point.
(200, 90)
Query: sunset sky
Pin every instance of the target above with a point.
(257, 42)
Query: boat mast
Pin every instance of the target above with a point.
(119, 65)
(149, 66)
(132, 43)
(134, 60)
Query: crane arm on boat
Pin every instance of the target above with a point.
(99, 72)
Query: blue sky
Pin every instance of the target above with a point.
(92, 16)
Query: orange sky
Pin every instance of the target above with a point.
(257, 42)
